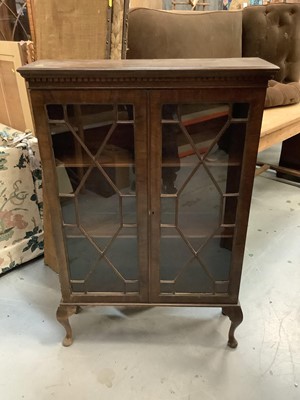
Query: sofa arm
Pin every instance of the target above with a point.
(272, 32)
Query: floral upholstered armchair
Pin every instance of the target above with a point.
(21, 203)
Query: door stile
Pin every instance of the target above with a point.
(155, 138)
(141, 127)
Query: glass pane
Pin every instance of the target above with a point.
(126, 245)
(216, 256)
(194, 279)
(104, 278)
(174, 252)
(93, 146)
(82, 254)
(129, 210)
(68, 210)
(168, 210)
(202, 149)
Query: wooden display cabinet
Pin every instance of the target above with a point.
(159, 159)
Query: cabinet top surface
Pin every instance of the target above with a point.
(146, 67)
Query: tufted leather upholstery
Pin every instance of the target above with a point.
(272, 32)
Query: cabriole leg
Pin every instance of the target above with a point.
(63, 313)
(235, 315)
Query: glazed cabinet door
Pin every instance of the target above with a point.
(100, 149)
(203, 153)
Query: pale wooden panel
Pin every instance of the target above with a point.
(119, 12)
(14, 103)
(11, 112)
(70, 29)
(278, 124)
(146, 3)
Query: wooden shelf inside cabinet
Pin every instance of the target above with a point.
(154, 204)
(71, 162)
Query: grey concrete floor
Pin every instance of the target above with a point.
(165, 353)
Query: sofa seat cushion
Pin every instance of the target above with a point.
(156, 34)
(280, 94)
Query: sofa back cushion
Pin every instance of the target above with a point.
(273, 33)
(165, 34)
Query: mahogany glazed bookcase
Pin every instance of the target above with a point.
(148, 170)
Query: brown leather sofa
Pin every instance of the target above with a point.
(270, 32)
